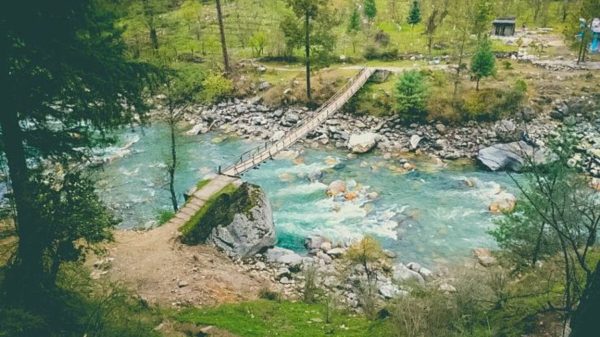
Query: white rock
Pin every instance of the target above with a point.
(401, 273)
(362, 143)
(414, 142)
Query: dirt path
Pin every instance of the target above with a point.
(155, 265)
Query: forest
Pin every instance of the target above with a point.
(254, 168)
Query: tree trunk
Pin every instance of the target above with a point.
(154, 38)
(461, 54)
(173, 165)
(223, 42)
(307, 49)
(584, 322)
(27, 274)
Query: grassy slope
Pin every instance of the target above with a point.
(286, 319)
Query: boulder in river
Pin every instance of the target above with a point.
(239, 222)
(362, 143)
(511, 156)
(336, 187)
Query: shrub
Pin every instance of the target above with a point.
(382, 38)
(164, 217)
(374, 53)
(268, 294)
(411, 96)
(310, 284)
(215, 88)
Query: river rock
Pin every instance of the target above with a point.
(336, 187)
(314, 242)
(284, 256)
(251, 231)
(507, 131)
(511, 156)
(484, 257)
(504, 202)
(414, 142)
(401, 273)
(362, 143)
(389, 291)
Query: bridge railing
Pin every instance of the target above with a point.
(257, 155)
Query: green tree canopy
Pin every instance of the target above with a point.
(483, 63)
(411, 95)
(354, 23)
(414, 15)
(370, 9)
(70, 83)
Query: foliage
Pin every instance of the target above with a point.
(354, 23)
(286, 319)
(561, 208)
(370, 9)
(492, 104)
(79, 306)
(75, 84)
(483, 63)
(268, 294)
(374, 53)
(411, 95)
(414, 15)
(216, 88)
(292, 33)
(368, 254)
(258, 40)
(164, 217)
(483, 11)
(310, 284)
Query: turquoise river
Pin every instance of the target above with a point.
(434, 214)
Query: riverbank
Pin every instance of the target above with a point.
(252, 120)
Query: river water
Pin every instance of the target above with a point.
(431, 215)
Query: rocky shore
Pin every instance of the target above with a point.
(359, 134)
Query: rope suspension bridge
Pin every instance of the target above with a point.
(253, 158)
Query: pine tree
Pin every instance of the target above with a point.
(354, 24)
(483, 63)
(370, 9)
(414, 16)
(411, 95)
(75, 84)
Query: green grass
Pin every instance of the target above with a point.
(285, 319)
(202, 183)
(190, 224)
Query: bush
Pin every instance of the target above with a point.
(411, 96)
(494, 104)
(164, 217)
(216, 88)
(79, 307)
(268, 294)
(374, 53)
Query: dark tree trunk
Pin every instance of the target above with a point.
(223, 42)
(307, 50)
(584, 322)
(173, 166)
(27, 273)
(154, 38)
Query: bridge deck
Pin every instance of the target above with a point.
(255, 157)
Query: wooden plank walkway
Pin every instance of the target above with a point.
(253, 158)
(257, 156)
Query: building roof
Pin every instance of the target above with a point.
(508, 20)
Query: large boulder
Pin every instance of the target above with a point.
(402, 273)
(239, 222)
(507, 131)
(511, 156)
(362, 143)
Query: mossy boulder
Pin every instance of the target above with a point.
(238, 220)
